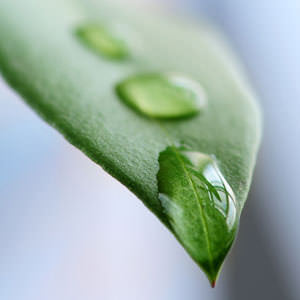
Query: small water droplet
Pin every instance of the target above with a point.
(163, 96)
(102, 41)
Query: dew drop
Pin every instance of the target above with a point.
(216, 192)
(99, 39)
(162, 96)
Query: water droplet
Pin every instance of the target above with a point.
(102, 41)
(162, 96)
(217, 193)
(199, 204)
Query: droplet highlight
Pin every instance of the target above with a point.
(162, 96)
(103, 42)
(199, 204)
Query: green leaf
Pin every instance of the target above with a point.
(74, 90)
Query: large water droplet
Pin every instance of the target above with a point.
(99, 39)
(162, 95)
(215, 190)
(199, 204)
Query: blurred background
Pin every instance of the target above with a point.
(69, 231)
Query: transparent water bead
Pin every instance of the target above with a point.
(215, 190)
(103, 42)
(163, 96)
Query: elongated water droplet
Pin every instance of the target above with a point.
(102, 41)
(199, 204)
(162, 95)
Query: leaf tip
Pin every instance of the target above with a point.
(213, 283)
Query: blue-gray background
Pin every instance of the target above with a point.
(69, 231)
